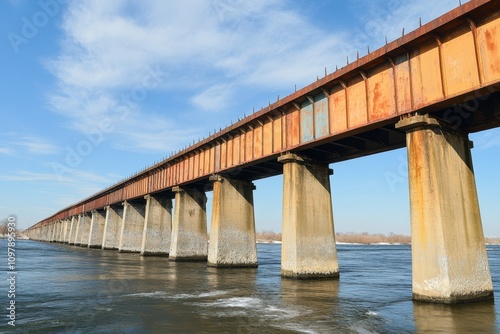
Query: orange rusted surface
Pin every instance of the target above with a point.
(447, 61)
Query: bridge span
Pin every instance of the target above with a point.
(426, 90)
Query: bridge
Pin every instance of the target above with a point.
(426, 90)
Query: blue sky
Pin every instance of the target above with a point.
(93, 91)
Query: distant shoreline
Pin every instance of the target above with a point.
(268, 237)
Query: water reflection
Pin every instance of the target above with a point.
(462, 318)
(310, 303)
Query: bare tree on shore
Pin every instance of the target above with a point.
(4, 226)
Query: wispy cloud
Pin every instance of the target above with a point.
(37, 145)
(15, 143)
(6, 150)
(211, 52)
(488, 139)
(213, 98)
(72, 177)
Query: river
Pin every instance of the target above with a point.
(68, 289)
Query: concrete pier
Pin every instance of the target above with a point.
(57, 231)
(157, 225)
(97, 228)
(47, 233)
(308, 236)
(66, 223)
(112, 227)
(84, 229)
(232, 233)
(76, 237)
(132, 226)
(72, 230)
(62, 230)
(53, 231)
(189, 228)
(449, 259)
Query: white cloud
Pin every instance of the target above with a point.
(208, 49)
(6, 150)
(211, 51)
(15, 143)
(37, 145)
(71, 178)
(28, 176)
(213, 98)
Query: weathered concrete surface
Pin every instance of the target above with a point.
(112, 227)
(59, 231)
(232, 233)
(157, 225)
(84, 230)
(52, 233)
(97, 228)
(47, 233)
(72, 230)
(76, 238)
(308, 235)
(132, 226)
(189, 228)
(66, 223)
(449, 257)
(62, 228)
(55, 231)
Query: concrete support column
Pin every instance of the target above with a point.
(112, 227)
(62, 226)
(308, 235)
(189, 228)
(84, 229)
(53, 232)
(71, 230)
(47, 234)
(132, 226)
(97, 228)
(157, 225)
(232, 233)
(65, 231)
(43, 233)
(449, 259)
(77, 234)
(56, 231)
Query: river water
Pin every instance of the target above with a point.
(68, 289)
